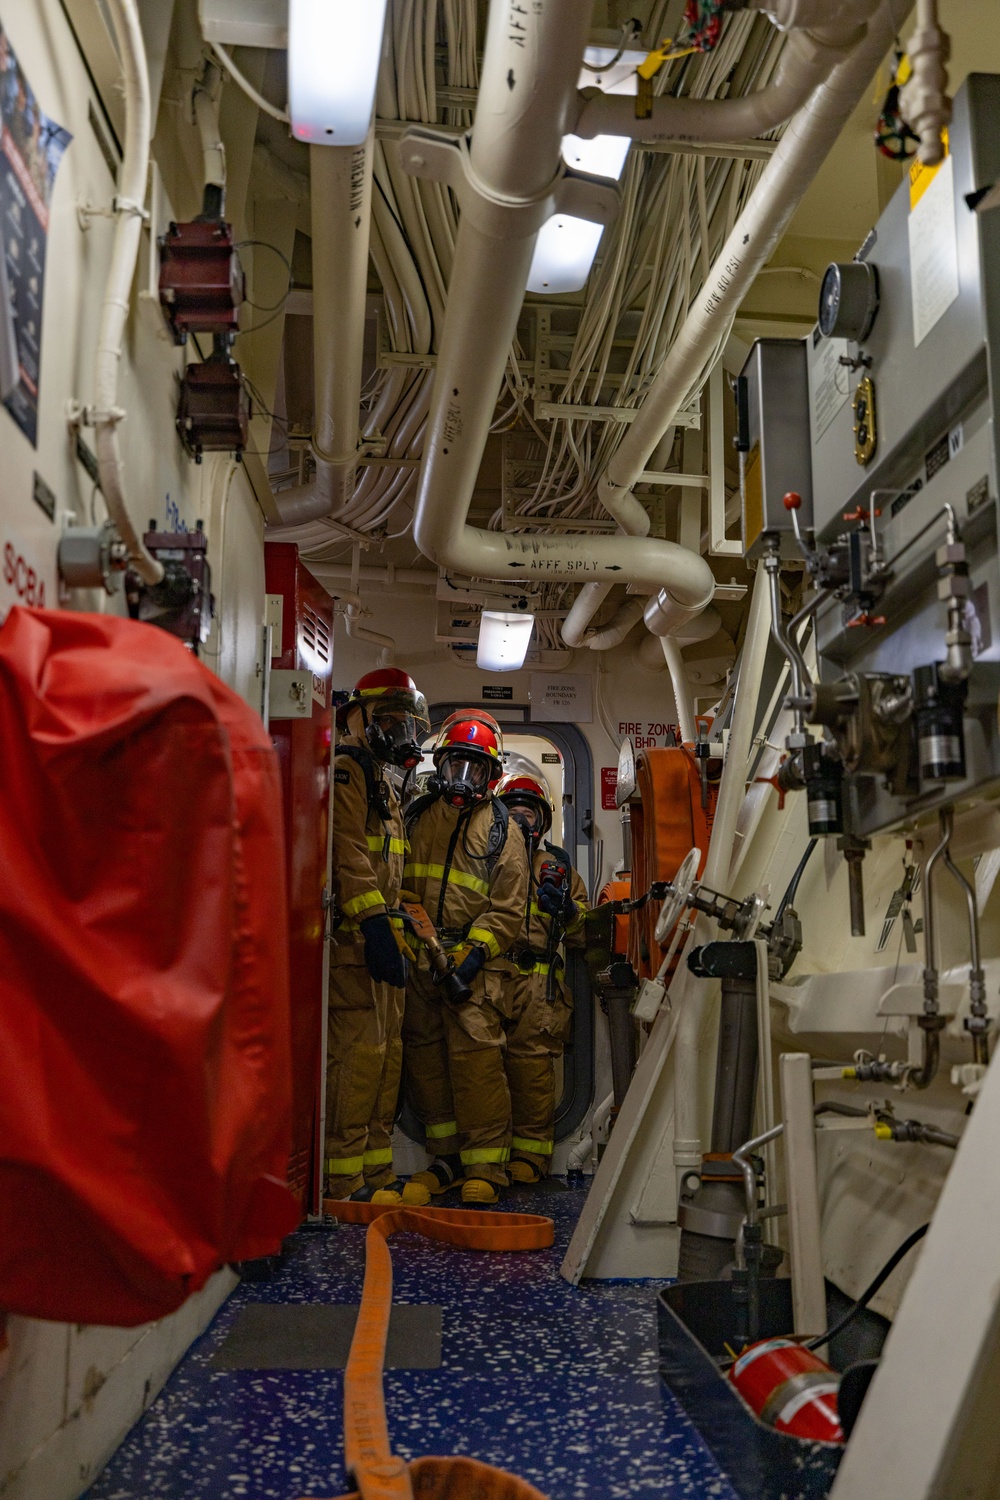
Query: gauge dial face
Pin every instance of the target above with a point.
(829, 300)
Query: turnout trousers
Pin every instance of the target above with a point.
(536, 1033)
(455, 1073)
(364, 1060)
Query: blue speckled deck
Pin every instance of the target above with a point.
(556, 1383)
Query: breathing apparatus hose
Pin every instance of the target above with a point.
(378, 1472)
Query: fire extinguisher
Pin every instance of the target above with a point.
(790, 1389)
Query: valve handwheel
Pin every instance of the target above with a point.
(676, 899)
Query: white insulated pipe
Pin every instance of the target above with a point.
(799, 155)
(614, 632)
(805, 61)
(683, 698)
(358, 632)
(129, 211)
(805, 1241)
(693, 1019)
(526, 99)
(341, 198)
(205, 107)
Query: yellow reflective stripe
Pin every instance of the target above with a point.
(540, 1148)
(362, 903)
(344, 1166)
(485, 1154)
(396, 846)
(379, 1158)
(456, 877)
(540, 968)
(441, 1132)
(348, 926)
(489, 942)
(536, 910)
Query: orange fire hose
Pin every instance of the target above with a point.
(368, 1457)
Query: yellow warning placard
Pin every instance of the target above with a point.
(921, 177)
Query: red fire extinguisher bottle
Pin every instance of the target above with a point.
(790, 1389)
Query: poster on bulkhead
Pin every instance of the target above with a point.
(31, 148)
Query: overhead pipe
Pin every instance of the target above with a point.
(205, 109)
(341, 197)
(807, 58)
(358, 632)
(683, 697)
(512, 174)
(798, 157)
(129, 213)
(742, 258)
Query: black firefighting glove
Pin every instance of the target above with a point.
(383, 959)
(555, 902)
(471, 964)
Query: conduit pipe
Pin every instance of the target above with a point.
(358, 632)
(129, 214)
(205, 108)
(799, 155)
(341, 196)
(806, 60)
(694, 1011)
(526, 99)
(683, 698)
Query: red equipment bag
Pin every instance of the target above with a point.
(144, 1010)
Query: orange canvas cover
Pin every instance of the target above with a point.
(144, 1013)
(618, 890)
(667, 821)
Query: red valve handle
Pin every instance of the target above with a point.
(792, 501)
(773, 781)
(867, 620)
(860, 514)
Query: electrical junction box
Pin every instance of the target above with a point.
(772, 400)
(202, 285)
(213, 413)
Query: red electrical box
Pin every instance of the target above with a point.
(201, 279)
(213, 413)
(302, 660)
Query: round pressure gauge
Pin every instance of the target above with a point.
(848, 300)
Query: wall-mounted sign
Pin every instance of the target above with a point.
(609, 788)
(566, 698)
(494, 692)
(31, 148)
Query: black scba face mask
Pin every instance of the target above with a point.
(463, 779)
(395, 741)
(529, 823)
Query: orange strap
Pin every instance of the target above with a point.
(367, 1454)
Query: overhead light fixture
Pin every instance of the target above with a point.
(566, 246)
(604, 156)
(334, 50)
(503, 640)
(564, 253)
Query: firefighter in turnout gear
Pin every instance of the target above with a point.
(472, 880)
(538, 1006)
(385, 719)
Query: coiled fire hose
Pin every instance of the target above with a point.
(369, 1459)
